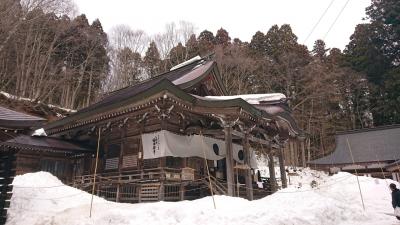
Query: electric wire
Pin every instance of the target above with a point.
(319, 20)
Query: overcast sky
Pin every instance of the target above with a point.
(240, 18)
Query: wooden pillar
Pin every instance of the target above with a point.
(247, 161)
(303, 154)
(282, 168)
(272, 176)
(229, 160)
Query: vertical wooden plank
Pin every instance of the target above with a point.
(303, 154)
(291, 153)
(229, 160)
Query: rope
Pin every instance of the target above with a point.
(358, 182)
(334, 182)
(95, 172)
(48, 199)
(208, 171)
(380, 166)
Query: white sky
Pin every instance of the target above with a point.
(240, 18)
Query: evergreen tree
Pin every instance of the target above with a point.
(222, 37)
(152, 60)
(177, 55)
(192, 47)
(258, 44)
(206, 41)
(319, 49)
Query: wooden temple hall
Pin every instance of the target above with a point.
(173, 137)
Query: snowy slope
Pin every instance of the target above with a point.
(40, 198)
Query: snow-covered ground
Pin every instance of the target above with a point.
(40, 198)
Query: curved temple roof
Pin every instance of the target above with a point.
(176, 82)
(44, 144)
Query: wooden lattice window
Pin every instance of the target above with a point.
(129, 161)
(112, 157)
(130, 154)
(151, 163)
(174, 162)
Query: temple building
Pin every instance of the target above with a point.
(176, 136)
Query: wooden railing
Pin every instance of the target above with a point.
(132, 176)
(219, 187)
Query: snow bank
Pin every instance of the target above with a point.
(40, 198)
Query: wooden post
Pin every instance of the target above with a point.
(247, 161)
(272, 171)
(229, 160)
(118, 193)
(161, 195)
(282, 168)
(182, 192)
(303, 154)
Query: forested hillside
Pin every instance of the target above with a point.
(50, 54)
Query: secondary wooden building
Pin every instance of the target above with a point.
(373, 152)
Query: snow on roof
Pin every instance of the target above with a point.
(14, 97)
(185, 63)
(253, 99)
(39, 132)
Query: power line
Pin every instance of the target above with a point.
(319, 20)
(337, 17)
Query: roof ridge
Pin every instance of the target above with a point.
(157, 76)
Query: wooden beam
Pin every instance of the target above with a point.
(251, 138)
